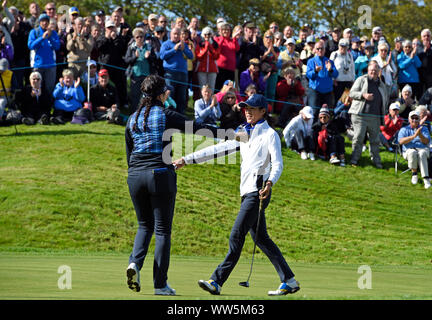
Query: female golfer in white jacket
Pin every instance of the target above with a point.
(260, 169)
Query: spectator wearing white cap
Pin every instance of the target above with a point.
(347, 34)
(291, 58)
(298, 134)
(415, 141)
(344, 63)
(408, 63)
(388, 68)
(407, 102)
(376, 36)
(392, 124)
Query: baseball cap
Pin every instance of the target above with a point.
(255, 101)
(290, 41)
(398, 39)
(159, 29)
(249, 24)
(73, 10)
(118, 8)
(152, 16)
(100, 13)
(344, 43)
(355, 39)
(310, 39)
(109, 23)
(307, 111)
(103, 72)
(376, 29)
(413, 113)
(395, 106)
(347, 30)
(44, 16)
(337, 29)
(368, 45)
(407, 87)
(91, 63)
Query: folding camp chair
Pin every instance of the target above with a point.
(398, 150)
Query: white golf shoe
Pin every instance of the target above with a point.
(133, 277)
(167, 291)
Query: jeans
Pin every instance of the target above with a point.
(246, 221)
(153, 193)
(208, 78)
(316, 99)
(48, 78)
(178, 82)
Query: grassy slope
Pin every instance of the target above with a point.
(64, 188)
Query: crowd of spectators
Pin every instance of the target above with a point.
(333, 81)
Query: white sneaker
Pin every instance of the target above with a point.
(285, 288)
(303, 155)
(311, 156)
(364, 148)
(334, 160)
(167, 291)
(133, 277)
(414, 179)
(427, 183)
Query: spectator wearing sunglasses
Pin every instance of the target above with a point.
(137, 58)
(34, 101)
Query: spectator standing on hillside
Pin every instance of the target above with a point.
(251, 46)
(44, 41)
(408, 63)
(426, 59)
(79, 45)
(207, 53)
(370, 100)
(320, 71)
(344, 64)
(253, 76)
(226, 62)
(112, 47)
(174, 53)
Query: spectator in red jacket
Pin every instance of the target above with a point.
(229, 46)
(291, 92)
(207, 53)
(392, 124)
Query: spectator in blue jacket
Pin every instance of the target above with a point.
(69, 96)
(44, 42)
(174, 53)
(362, 61)
(408, 63)
(320, 71)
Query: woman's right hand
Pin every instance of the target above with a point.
(179, 163)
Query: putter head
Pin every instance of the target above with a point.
(244, 284)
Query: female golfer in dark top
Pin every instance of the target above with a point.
(152, 185)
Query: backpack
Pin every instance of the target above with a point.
(322, 142)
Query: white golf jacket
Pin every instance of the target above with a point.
(261, 156)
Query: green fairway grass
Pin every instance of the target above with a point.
(63, 190)
(34, 276)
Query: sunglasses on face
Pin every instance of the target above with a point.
(36, 79)
(49, 9)
(415, 119)
(139, 37)
(320, 48)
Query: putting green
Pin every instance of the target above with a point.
(35, 276)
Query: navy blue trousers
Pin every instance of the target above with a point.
(246, 221)
(153, 193)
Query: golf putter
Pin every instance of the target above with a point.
(246, 283)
